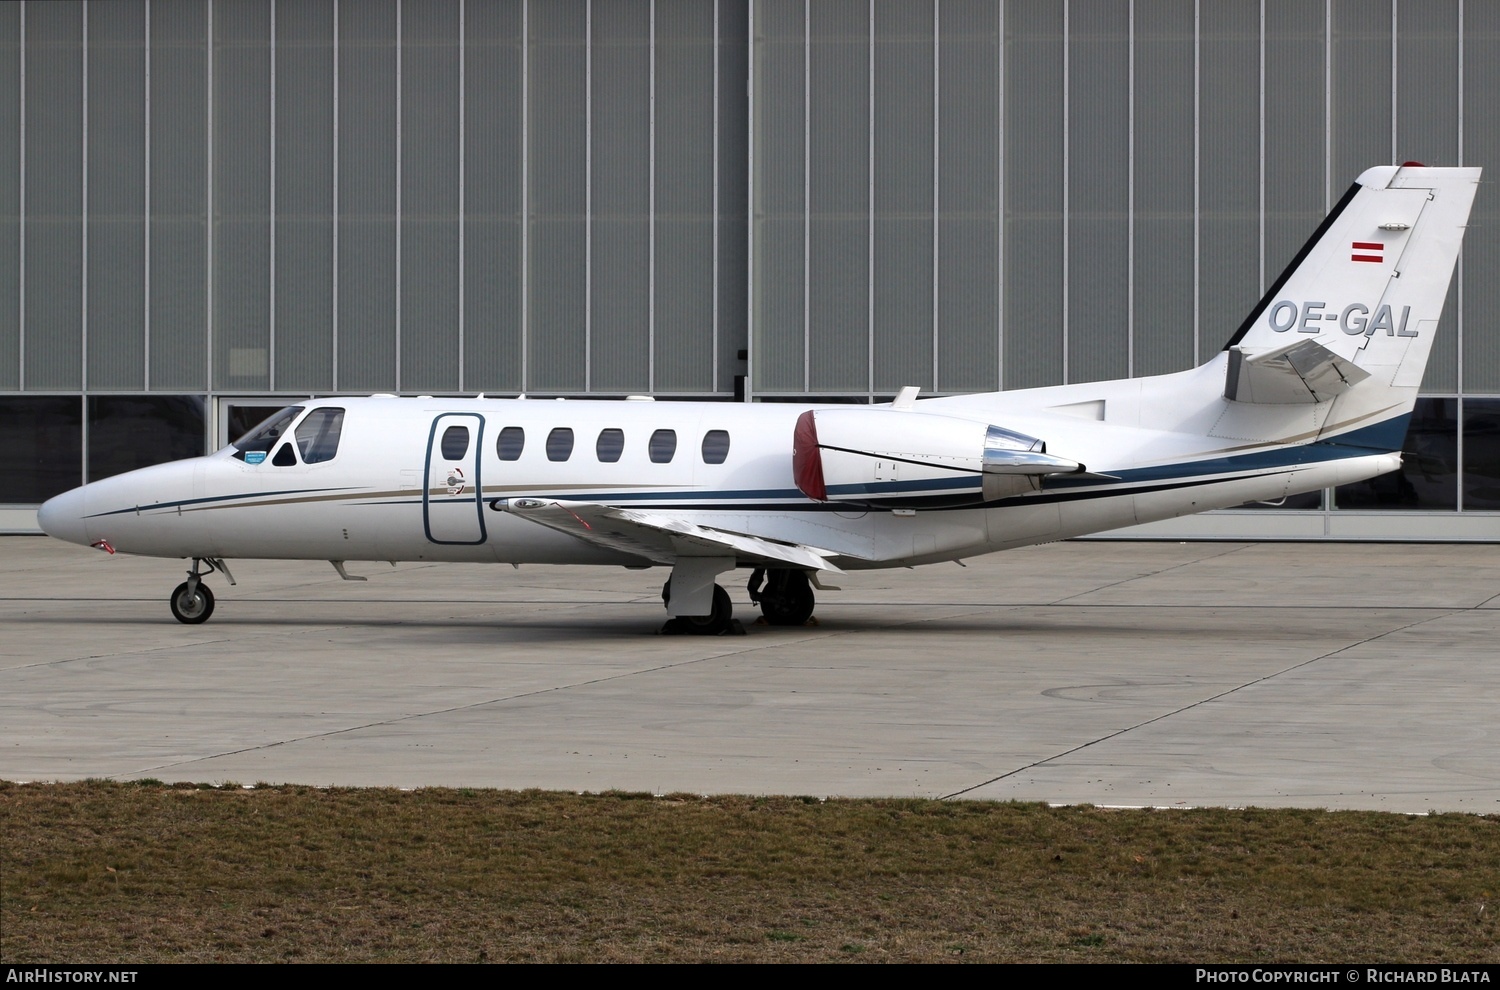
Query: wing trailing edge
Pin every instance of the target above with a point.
(661, 537)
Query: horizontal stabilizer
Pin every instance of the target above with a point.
(1303, 371)
(661, 537)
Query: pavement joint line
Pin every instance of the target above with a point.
(1202, 701)
(1151, 574)
(59, 661)
(456, 708)
(814, 634)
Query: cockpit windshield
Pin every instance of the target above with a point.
(260, 440)
(318, 434)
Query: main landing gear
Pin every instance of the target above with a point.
(718, 621)
(784, 594)
(785, 599)
(192, 602)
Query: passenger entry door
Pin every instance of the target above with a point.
(452, 509)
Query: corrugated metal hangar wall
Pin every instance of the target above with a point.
(209, 205)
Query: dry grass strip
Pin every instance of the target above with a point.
(126, 872)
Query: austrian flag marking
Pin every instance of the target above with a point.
(1369, 251)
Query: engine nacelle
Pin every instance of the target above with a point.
(900, 458)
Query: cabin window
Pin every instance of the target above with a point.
(715, 446)
(662, 446)
(560, 444)
(610, 445)
(318, 435)
(511, 442)
(253, 447)
(455, 442)
(284, 457)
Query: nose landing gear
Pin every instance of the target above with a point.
(192, 605)
(192, 602)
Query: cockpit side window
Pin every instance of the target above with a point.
(318, 434)
(253, 447)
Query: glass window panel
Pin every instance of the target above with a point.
(318, 435)
(455, 442)
(560, 444)
(129, 432)
(41, 446)
(715, 446)
(260, 440)
(241, 419)
(1482, 454)
(510, 443)
(609, 446)
(1428, 478)
(662, 446)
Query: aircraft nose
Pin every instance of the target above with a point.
(61, 517)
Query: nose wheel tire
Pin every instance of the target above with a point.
(192, 606)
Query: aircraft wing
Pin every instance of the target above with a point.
(662, 537)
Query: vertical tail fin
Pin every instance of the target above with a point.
(1355, 312)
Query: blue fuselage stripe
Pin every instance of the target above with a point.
(1380, 438)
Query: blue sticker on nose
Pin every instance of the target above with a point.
(254, 456)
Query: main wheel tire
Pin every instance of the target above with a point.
(192, 608)
(714, 622)
(788, 600)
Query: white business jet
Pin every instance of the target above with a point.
(1314, 390)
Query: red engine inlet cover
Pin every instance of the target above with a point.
(807, 460)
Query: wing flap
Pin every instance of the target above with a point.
(661, 537)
